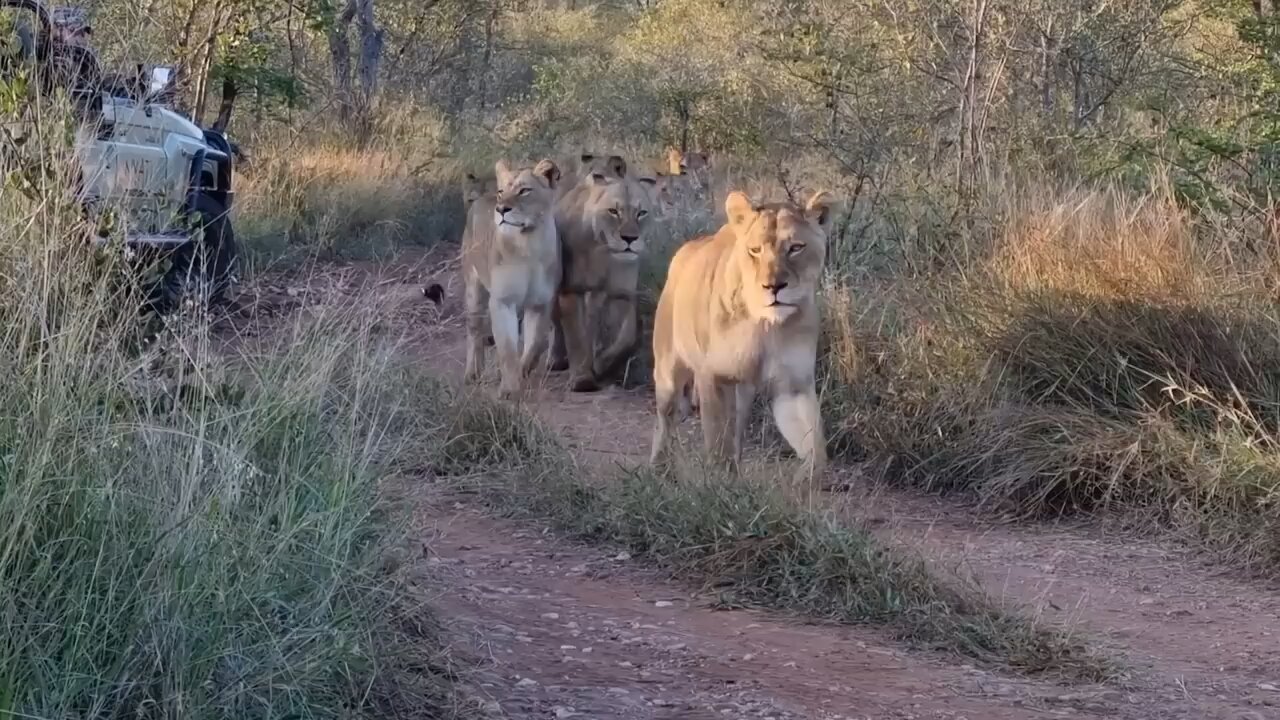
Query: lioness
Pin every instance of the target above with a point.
(661, 188)
(474, 188)
(593, 166)
(739, 312)
(587, 165)
(682, 163)
(511, 265)
(601, 223)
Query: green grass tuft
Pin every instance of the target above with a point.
(750, 540)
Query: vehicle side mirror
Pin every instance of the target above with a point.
(161, 78)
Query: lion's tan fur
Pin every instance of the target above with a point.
(690, 162)
(661, 188)
(738, 313)
(474, 188)
(511, 266)
(688, 178)
(601, 223)
(592, 165)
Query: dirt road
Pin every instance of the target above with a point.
(559, 630)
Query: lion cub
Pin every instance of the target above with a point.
(739, 314)
(602, 223)
(511, 266)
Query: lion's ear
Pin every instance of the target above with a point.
(548, 170)
(820, 209)
(739, 208)
(503, 171)
(470, 188)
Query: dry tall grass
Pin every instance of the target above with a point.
(315, 195)
(207, 542)
(1104, 354)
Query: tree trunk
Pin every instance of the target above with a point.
(371, 41)
(340, 56)
(1047, 65)
(355, 104)
(487, 57)
(207, 55)
(682, 110)
(970, 133)
(202, 81)
(833, 102)
(229, 93)
(185, 59)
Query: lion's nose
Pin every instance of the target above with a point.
(776, 286)
(504, 209)
(628, 239)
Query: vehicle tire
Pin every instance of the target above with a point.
(205, 267)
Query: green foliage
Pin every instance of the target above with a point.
(1230, 161)
(201, 537)
(247, 58)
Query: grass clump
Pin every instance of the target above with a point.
(168, 549)
(1104, 356)
(304, 199)
(752, 541)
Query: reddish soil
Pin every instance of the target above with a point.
(559, 630)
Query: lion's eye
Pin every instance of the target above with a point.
(525, 191)
(795, 249)
(755, 251)
(641, 214)
(613, 212)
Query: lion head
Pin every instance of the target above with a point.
(474, 188)
(779, 252)
(659, 188)
(596, 167)
(619, 212)
(686, 163)
(524, 195)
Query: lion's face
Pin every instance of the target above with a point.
(658, 188)
(780, 250)
(524, 195)
(474, 188)
(593, 167)
(687, 163)
(619, 212)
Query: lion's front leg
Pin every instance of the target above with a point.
(797, 414)
(504, 317)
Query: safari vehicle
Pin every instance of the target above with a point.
(151, 180)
